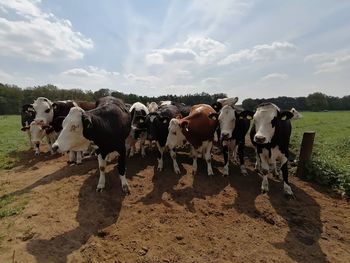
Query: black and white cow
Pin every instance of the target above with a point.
(138, 113)
(270, 134)
(296, 114)
(157, 128)
(50, 115)
(27, 116)
(233, 129)
(108, 126)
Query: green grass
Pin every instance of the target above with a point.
(10, 205)
(12, 140)
(330, 163)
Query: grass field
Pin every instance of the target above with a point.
(331, 159)
(331, 154)
(12, 139)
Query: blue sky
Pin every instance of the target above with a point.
(245, 48)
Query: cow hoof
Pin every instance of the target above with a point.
(80, 163)
(225, 174)
(159, 169)
(194, 172)
(177, 171)
(264, 191)
(100, 188)
(70, 162)
(36, 154)
(126, 189)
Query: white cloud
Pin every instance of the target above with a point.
(90, 72)
(141, 79)
(203, 50)
(39, 36)
(329, 62)
(276, 50)
(275, 76)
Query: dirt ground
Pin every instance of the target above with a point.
(167, 217)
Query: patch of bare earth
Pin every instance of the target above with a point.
(167, 217)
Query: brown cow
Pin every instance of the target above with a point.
(197, 129)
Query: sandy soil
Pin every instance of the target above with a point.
(167, 217)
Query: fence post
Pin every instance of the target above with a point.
(305, 152)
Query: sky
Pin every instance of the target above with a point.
(244, 48)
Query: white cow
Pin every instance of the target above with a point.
(38, 132)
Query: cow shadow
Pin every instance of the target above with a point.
(202, 186)
(26, 159)
(60, 174)
(96, 211)
(302, 215)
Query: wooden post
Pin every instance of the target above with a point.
(305, 152)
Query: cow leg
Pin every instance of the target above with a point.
(79, 157)
(121, 170)
(257, 162)
(37, 149)
(207, 157)
(102, 167)
(286, 187)
(225, 150)
(71, 158)
(142, 143)
(175, 165)
(194, 164)
(160, 156)
(265, 171)
(30, 139)
(241, 157)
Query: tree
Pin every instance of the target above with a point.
(317, 101)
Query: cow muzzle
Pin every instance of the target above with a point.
(260, 139)
(225, 136)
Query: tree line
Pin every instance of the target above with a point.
(13, 97)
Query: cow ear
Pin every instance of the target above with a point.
(184, 125)
(286, 115)
(246, 114)
(87, 122)
(54, 106)
(214, 116)
(25, 128)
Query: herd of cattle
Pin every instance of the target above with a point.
(110, 125)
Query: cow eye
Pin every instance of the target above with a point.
(47, 111)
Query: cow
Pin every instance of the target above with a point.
(50, 116)
(152, 106)
(296, 115)
(107, 126)
(37, 133)
(270, 134)
(197, 129)
(27, 116)
(184, 109)
(233, 129)
(138, 113)
(157, 128)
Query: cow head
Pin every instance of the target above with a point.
(156, 124)
(266, 118)
(227, 121)
(71, 136)
(176, 135)
(44, 111)
(152, 107)
(296, 115)
(37, 133)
